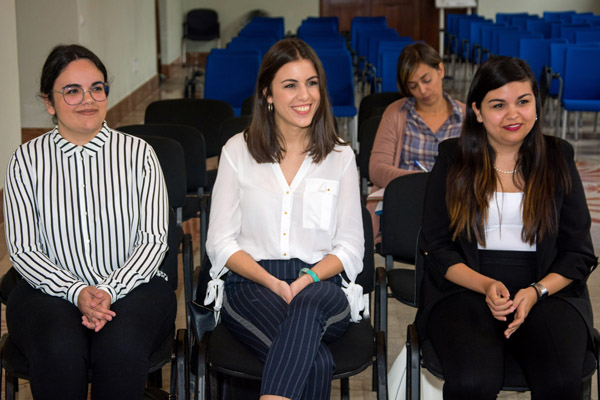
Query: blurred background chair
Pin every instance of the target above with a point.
(201, 24)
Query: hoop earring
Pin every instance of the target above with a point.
(270, 107)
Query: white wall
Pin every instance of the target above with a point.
(10, 113)
(171, 29)
(36, 36)
(232, 14)
(489, 8)
(121, 32)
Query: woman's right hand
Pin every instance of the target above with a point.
(94, 305)
(282, 289)
(498, 300)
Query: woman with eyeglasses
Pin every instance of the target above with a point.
(86, 213)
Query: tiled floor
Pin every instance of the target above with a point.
(588, 158)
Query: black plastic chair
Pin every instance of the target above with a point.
(233, 126)
(219, 355)
(201, 24)
(423, 355)
(366, 136)
(194, 150)
(206, 115)
(375, 104)
(400, 223)
(170, 155)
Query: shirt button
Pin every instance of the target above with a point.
(285, 212)
(284, 234)
(285, 254)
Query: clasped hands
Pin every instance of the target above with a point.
(498, 300)
(288, 291)
(94, 304)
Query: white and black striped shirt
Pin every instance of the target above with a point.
(86, 215)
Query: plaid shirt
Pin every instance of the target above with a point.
(420, 143)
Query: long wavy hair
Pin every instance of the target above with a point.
(265, 142)
(472, 180)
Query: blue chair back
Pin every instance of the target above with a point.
(588, 36)
(508, 43)
(568, 31)
(507, 17)
(582, 81)
(360, 22)
(324, 42)
(274, 25)
(495, 37)
(262, 43)
(536, 52)
(558, 15)
(378, 37)
(231, 76)
(539, 26)
(340, 81)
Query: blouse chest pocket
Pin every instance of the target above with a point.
(319, 203)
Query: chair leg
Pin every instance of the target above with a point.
(564, 124)
(345, 388)
(577, 113)
(586, 389)
(11, 386)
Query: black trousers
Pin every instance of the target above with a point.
(550, 345)
(61, 351)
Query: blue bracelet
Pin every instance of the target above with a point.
(310, 272)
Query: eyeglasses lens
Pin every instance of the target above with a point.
(74, 95)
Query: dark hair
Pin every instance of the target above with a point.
(58, 59)
(264, 139)
(411, 57)
(472, 180)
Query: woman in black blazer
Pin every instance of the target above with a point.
(506, 238)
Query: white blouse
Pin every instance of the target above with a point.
(505, 223)
(255, 210)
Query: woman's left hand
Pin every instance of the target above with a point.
(524, 300)
(299, 284)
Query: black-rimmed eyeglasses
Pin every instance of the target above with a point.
(74, 94)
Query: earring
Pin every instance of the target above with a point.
(536, 117)
(270, 107)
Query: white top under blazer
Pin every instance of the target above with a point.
(255, 210)
(505, 223)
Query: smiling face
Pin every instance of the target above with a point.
(425, 84)
(79, 123)
(508, 114)
(295, 96)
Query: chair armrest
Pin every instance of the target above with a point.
(413, 363)
(382, 392)
(380, 299)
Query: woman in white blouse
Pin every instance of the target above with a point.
(286, 223)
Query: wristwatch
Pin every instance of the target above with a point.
(540, 289)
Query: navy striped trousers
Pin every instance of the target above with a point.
(289, 338)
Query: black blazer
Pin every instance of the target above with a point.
(570, 253)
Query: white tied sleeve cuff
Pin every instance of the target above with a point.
(214, 293)
(358, 302)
